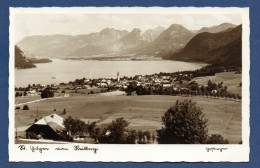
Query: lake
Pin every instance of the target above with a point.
(69, 70)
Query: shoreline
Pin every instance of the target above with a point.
(123, 72)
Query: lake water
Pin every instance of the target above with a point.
(69, 70)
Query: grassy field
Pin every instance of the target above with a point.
(143, 112)
(229, 79)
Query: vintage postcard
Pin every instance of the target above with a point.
(129, 84)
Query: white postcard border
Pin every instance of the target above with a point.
(136, 153)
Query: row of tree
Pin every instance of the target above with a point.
(208, 70)
(193, 88)
(20, 94)
(114, 133)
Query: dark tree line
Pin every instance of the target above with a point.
(208, 70)
(117, 133)
(114, 133)
(193, 89)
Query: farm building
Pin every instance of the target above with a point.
(49, 127)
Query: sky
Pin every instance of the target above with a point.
(75, 24)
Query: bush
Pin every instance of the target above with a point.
(25, 107)
(184, 123)
(24, 93)
(115, 133)
(217, 139)
(17, 108)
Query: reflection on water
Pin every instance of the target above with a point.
(68, 70)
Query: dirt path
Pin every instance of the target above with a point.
(35, 101)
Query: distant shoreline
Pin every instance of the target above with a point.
(39, 60)
(117, 58)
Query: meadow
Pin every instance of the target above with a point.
(143, 112)
(229, 79)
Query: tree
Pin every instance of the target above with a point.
(148, 136)
(217, 139)
(64, 111)
(131, 87)
(46, 93)
(132, 137)
(25, 107)
(96, 133)
(184, 123)
(115, 133)
(139, 90)
(74, 127)
(91, 126)
(203, 89)
(140, 137)
(153, 137)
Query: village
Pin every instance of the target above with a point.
(162, 83)
(49, 121)
(120, 83)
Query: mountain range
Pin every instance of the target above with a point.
(169, 43)
(151, 34)
(222, 47)
(217, 28)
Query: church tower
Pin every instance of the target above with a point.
(118, 78)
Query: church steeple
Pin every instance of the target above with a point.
(118, 78)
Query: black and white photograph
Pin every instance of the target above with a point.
(133, 79)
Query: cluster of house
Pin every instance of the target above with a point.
(140, 80)
(120, 83)
(32, 90)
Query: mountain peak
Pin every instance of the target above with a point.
(159, 28)
(136, 31)
(226, 24)
(177, 27)
(151, 34)
(217, 28)
(107, 29)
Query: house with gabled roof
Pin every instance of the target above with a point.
(49, 127)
